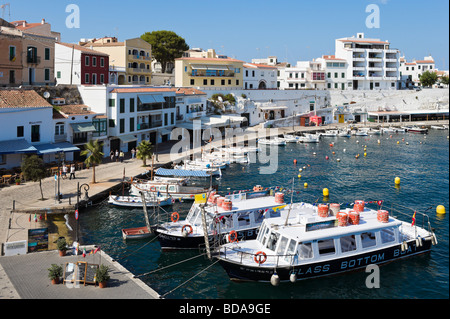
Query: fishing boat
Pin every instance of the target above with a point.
(309, 138)
(272, 141)
(241, 213)
(136, 201)
(308, 241)
(416, 129)
(330, 133)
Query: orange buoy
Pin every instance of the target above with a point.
(279, 198)
(227, 205)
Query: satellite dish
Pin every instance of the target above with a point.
(46, 94)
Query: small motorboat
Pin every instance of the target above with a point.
(330, 133)
(343, 134)
(291, 138)
(437, 127)
(136, 233)
(416, 129)
(309, 138)
(136, 201)
(272, 141)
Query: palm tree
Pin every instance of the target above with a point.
(33, 168)
(144, 151)
(93, 151)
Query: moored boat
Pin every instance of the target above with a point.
(416, 129)
(309, 241)
(136, 201)
(136, 233)
(309, 138)
(272, 141)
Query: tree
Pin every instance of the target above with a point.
(33, 168)
(93, 151)
(144, 151)
(428, 78)
(444, 80)
(166, 46)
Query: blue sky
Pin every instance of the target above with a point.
(292, 30)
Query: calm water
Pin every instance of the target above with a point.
(423, 167)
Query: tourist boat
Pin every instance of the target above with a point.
(173, 190)
(308, 241)
(330, 133)
(202, 168)
(272, 141)
(241, 213)
(204, 164)
(136, 201)
(309, 138)
(416, 129)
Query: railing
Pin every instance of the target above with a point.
(272, 260)
(33, 59)
(140, 70)
(60, 138)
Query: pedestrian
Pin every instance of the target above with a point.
(117, 155)
(111, 154)
(133, 153)
(64, 171)
(72, 171)
(121, 156)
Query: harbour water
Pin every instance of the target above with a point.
(421, 162)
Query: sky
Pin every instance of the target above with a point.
(292, 30)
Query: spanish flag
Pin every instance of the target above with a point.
(413, 219)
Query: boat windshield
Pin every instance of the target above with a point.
(193, 215)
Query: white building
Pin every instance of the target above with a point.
(372, 64)
(336, 72)
(304, 75)
(410, 72)
(260, 76)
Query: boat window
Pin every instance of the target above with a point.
(172, 188)
(282, 246)
(348, 243)
(368, 239)
(244, 219)
(305, 251)
(387, 235)
(261, 232)
(290, 251)
(326, 247)
(225, 222)
(259, 216)
(162, 188)
(264, 236)
(192, 219)
(272, 241)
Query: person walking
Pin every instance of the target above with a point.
(64, 171)
(121, 156)
(117, 155)
(72, 171)
(133, 153)
(111, 154)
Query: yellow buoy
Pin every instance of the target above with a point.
(397, 181)
(365, 154)
(398, 142)
(305, 185)
(326, 192)
(299, 176)
(440, 209)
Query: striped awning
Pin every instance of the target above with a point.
(181, 173)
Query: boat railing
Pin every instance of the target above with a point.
(259, 259)
(425, 218)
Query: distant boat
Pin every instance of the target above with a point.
(309, 138)
(416, 129)
(272, 141)
(136, 201)
(291, 138)
(343, 134)
(437, 127)
(330, 133)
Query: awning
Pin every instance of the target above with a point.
(165, 131)
(181, 173)
(16, 147)
(270, 108)
(83, 127)
(128, 138)
(50, 148)
(199, 67)
(218, 67)
(151, 98)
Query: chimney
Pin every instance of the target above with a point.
(43, 21)
(24, 24)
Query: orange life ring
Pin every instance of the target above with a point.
(153, 188)
(233, 236)
(260, 257)
(190, 231)
(174, 217)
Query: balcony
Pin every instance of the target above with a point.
(359, 58)
(33, 59)
(194, 115)
(146, 126)
(138, 57)
(204, 74)
(390, 60)
(139, 70)
(60, 138)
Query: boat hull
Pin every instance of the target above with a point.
(242, 272)
(137, 202)
(136, 233)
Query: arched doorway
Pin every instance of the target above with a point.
(121, 79)
(262, 85)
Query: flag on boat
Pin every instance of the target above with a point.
(413, 219)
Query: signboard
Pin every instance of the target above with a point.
(80, 272)
(13, 248)
(37, 239)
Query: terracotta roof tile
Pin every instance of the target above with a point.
(13, 98)
(75, 109)
(425, 61)
(83, 49)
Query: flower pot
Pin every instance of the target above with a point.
(102, 284)
(62, 253)
(55, 281)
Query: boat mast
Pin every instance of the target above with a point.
(205, 228)
(144, 205)
(290, 206)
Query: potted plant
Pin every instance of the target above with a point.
(54, 273)
(62, 246)
(17, 181)
(102, 276)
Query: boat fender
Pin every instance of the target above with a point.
(174, 217)
(233, 236)
(433, 239)
(275, 279)
(293, 277)
(404, 246)
(260, 257)
(418, 242)
(186, 232)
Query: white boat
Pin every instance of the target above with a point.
(304, 243)
(309, 138)
(272, 141)
(343, 134)
(437, 127)
(241, 214)
(196, 167)
(291, 138)
(136, 201)
(174, 190)
(204, 164)
(361, 132)
(373, 131)
(330, 133)
(416, 129)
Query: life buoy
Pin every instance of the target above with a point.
(233, 236)
(174, 217)
(190, 231)
(153, 188)
(260, 257)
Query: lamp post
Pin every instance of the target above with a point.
(86, 198)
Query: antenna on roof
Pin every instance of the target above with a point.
(3, 6)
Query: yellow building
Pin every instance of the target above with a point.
(132, 57)
(209, 73)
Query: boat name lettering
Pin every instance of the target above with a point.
(362, 261)
(310, 270)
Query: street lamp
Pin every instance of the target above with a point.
(86, 198)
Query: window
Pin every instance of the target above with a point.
(35, 134)
(86, 61)
(20, 131)
(348, 243)
(58, 74)
(291, 249)
(122, 106)
(212, 82)
(112, 102)
(335, 75)
(47, 54)
(102, 62)
(222, 82)
(343, 86)
(272, 241)
(86, 78)
(46, 74)
(131, 124)
(192, 82)
(335, 85)
(326, 247)
(244, 219)
(329, 85)
(102, 78)
(12, 53)
(342, 75)
(94, 61)
(205, 82)
(368, 239)
(111, 123)
(305, 251)
(122, 125)
(329, 75)
(131, 105)
(237, 82)
(387, 235)
(282, 246)
(59, 128)
(172, 118)
(237, 70)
